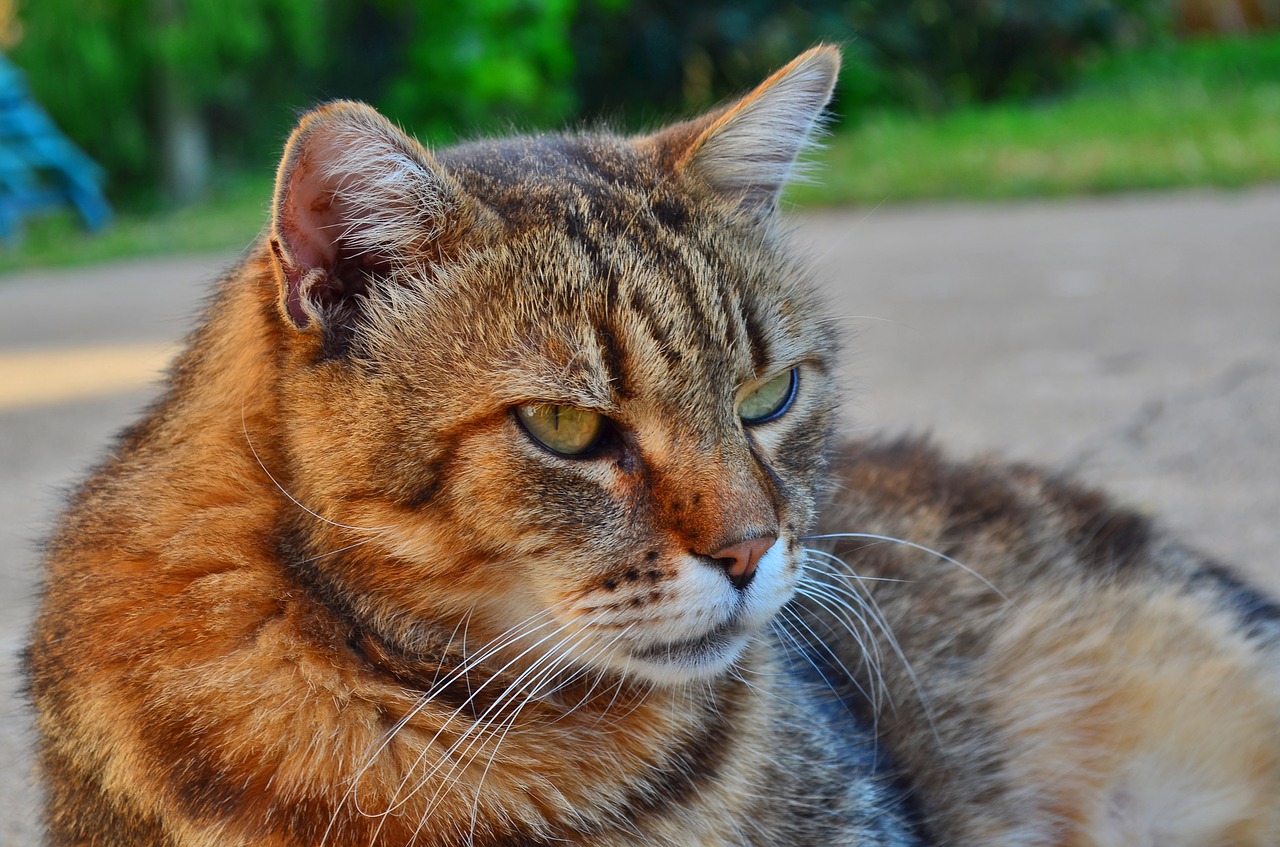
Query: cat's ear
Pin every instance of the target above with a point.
(355, 199)
(748, 150)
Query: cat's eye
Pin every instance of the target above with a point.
(563, 429)
(771, 400)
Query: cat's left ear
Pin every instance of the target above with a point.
(355, 200)
(747, 152)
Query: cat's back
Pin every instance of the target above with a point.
(1019, 641)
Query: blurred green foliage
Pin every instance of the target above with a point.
(1215, 64)
(98, 66)
(244, 70)
(944, 53)
(927, 55)
(130, 79)
(1200, 113)
(476, 65)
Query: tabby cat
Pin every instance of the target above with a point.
(483, 508)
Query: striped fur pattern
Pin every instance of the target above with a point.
(331, 591)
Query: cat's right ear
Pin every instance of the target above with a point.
(747, 151)
(355, 200)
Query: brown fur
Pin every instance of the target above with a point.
(1088, 681)
(328, 591)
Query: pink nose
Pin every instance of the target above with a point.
(739, 560)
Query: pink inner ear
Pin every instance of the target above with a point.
(309, 220)
(354, 194)
(308, 224)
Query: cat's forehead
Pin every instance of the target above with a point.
(577, 225)
(601, 279)
(590, 224)
(531, 182)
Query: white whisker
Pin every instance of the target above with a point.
(819, 643)
(396, 802)
(551, 670)
(943, 556)
(482, 726)
(834, 591)
(509, 636)
(352, 546)
(244, 427)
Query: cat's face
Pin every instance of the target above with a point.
(573, 389)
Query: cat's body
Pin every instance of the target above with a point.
(474, 513)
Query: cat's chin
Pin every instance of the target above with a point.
(700, 658)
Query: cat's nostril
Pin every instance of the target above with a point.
(739, 560)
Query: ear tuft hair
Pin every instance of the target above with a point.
(355, 199)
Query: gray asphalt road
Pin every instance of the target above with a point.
(1134, 341)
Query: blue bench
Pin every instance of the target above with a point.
(40, 170)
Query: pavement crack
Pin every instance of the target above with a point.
(1134, 430)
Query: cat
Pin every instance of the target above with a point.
(495, 501)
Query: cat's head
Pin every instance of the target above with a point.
(567, 390)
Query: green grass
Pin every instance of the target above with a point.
(229, 220)
(1196, 114)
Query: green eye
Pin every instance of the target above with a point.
(564, 429)
(770, 400)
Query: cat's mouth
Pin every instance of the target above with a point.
(676, 645)
(717, 646)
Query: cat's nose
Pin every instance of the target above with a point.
(739, 560)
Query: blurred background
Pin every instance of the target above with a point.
(185, 103)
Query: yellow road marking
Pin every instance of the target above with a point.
(36, 377)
